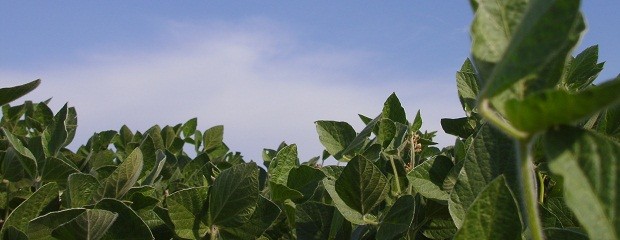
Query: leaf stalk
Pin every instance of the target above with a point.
(395, 174)
(485, 110)
(528, 190)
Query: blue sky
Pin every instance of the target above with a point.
(266, 70)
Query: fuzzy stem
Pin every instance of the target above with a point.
(528, 190)
(412, 151)
(541, 188)
(395, 174)
(485, 110)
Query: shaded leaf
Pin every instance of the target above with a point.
(188, 212)
(347, 212)
(25, 157)
(313, 220)
(398, 218)
(30, 208)
(42, 226)
(80, 189)
(493, 215)
(460, 127)
(234, 195)
(93, 224)
(123, 178)
(263, 217)
(9, 94)
(491, 154)
(128, 225)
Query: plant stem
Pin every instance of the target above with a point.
(485, 110)
(412, 150)
(528, 192)
(395, 174)
(541, 188)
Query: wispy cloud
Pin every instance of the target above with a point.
(255, 77)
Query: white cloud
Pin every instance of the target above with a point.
(253, 77)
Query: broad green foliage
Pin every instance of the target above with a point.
(361, 185)
(495, 208)
(490, 155)
(91, 224)
(590, 166)
(186, 209)
(234, 196)
(500, 179)
(8, 95)
(30, 208)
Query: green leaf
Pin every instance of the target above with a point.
(305, 179)
(490, 155)
(57, 170)
(582, 70)
(92, 224)
(55, 135)
(335, 137)
(157, 168)
(538, 43)
(590, 167)
(128, 225)
(30, 208)
(13, 234)
(42, 227)
(347, 212)
(265, 214)
(393, 110)
(387, 132)
(12, 168)
(362, 137)
(361, 185)
(428, 177)
(9, 94)
(25, 157)
(149, 154)
(609, 123)
(285, 160)
(80, 189)
(416, 125)
(188, 212)
(398, 218)
(555, 107)
(70, 125)
(460, 127)
(493, 27)
(493, 215)
(560, 212)
(467, 86)
(280, 193)
(234, 195)
(439, 228)
(213, 138)
(189, 128)
(123, 178)
(313, 220)
(564, 234)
